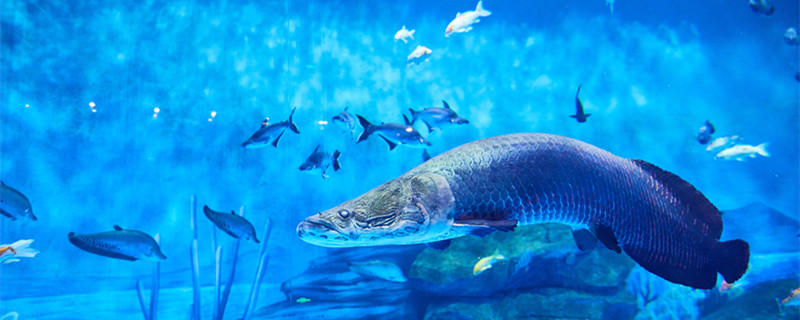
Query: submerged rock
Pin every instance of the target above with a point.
(759, 303)
(766, 229)
(550, 303)
(543, 255)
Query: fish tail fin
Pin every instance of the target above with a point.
(481, 11)
(731, 258)
(368, 128)
(336, 164)
(762, 149)
(292, 125)
(411, 33)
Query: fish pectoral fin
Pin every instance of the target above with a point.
(275, 143)
(439, 245)
(584, 239)
(392, 145)
(607, 237)
(117, 228)
(3, 212)
(482, 228)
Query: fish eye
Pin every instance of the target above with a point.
(344, 213)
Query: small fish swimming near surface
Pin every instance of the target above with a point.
(741, 151)
(404, 34)
(345, 121)
(486, 263)
(393, 133)
(762, 6)
(122, 244)
(20, 249)
(378, 269)
(497, 183)
(720, 142)
(705, 132)
(463, 21)
(436, 118)
(14, 204)
(270, 133)
(791, 38)
(320, 161)
(579, 115)
(233, 224)
(419, 55)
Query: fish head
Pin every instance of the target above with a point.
(459, 120)
(154, 253)
(407, 210)
(309, 165)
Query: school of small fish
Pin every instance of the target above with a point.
(731, 149)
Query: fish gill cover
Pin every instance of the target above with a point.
(115, 113)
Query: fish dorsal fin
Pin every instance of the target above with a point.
(446, 106)
(233, 212)
(118, 228)
(265, 123)
(404, 27)
(458, 14)
(316, 149)
(345, 108)
(696, 203)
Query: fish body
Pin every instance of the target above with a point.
(378, 269)
(393, 133)
(345, 121)
(436, 118)
(659, 220)
(419, 55)
(579, 114)
(14, 204)
(234, 225)
(303, 300)
(404, 34)
(741, 151)
(122, 244)
(705, 132)
(762, 6)
(720, 142)
(269, 134)
(463, 21)
(486, 263)
(320, 161)
(20, 249)
(791, 38)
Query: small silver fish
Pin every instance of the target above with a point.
(762, 6)
(741, 151)
(720, 142)
(346, 122)
(14, 204)
(419, 55)
(320, 161)
(270, 133)
(122, 244)
(378, 269)
(436, 118)
(393, 134)
(234, 225)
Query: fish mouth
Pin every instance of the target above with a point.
(315, 228)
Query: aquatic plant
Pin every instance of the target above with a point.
(262, 265)
(152, 312)
(195, 265)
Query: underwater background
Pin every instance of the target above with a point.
(119, 113)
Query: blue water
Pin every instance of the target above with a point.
(80, 137)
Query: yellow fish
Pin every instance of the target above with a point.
(486, 263)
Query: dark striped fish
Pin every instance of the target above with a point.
(658, 219)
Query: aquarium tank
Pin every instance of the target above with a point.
(363, 159)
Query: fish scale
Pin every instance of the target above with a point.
(537, 178)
